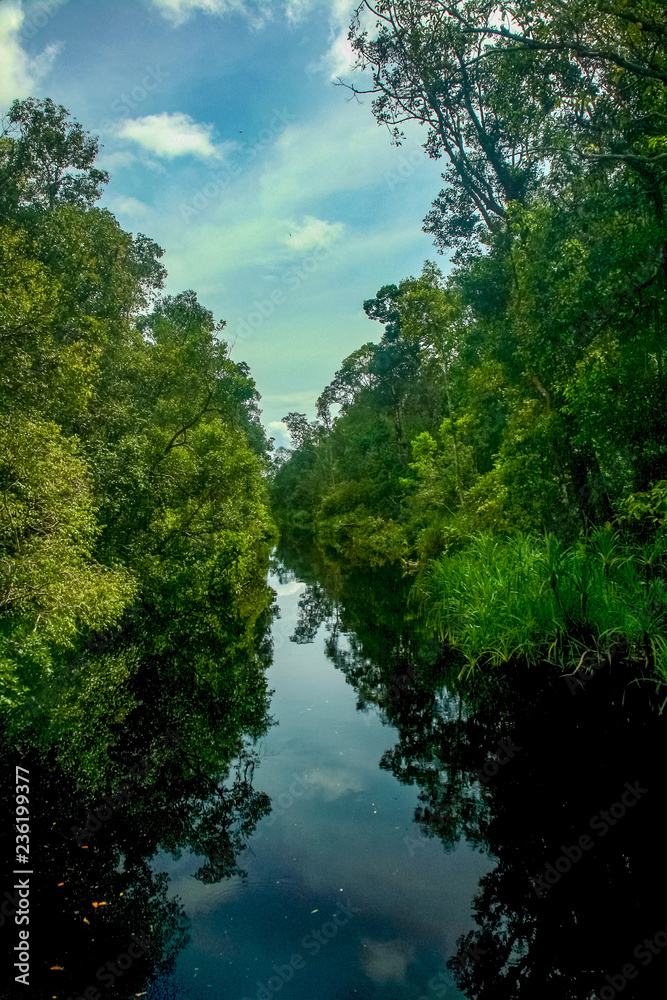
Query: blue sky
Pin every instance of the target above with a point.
(275, 197)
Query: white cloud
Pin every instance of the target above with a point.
(279, 429)
(340, 57)
(296, 9)
(171, 135)
(294, 399)
(179, 11)
(241, 227)
(387, 961)
(287, 589)
(20, 74)
(338, 60)
(333, 782)
(340, 152)
(129, 206)
(116, 160)
(313, 233)
(258, 12)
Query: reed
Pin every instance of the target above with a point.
(542, 599)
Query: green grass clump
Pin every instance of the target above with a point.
(539, 598)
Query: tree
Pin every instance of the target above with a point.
(353, 376)
(132, 461)
(426, 68)
(48, 578)
(518, 97)
(46, 159)
(430, 316)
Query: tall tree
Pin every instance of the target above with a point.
(47, 158)
(517, 96)
(428, 69)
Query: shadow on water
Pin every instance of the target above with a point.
(135, 748)
(561, 781)
(140, 750)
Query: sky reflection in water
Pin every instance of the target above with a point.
(341, 840)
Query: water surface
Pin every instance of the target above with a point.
(335, 815)
(338, 874)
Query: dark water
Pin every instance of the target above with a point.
(376, 831)
(338, 874)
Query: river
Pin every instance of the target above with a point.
(369, 827)
(403, 809)
(345, 896)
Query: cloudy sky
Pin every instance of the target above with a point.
(276, 197)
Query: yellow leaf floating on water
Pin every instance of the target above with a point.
(314, 911)
(86, 920)
(61, 883)
(57, 968)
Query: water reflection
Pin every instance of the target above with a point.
(565, 790)
(141, 743)
(366, 832)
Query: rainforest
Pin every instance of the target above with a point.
(505, 435)
(368, 702)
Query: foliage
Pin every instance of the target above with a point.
(134, 542)
(132, 460)
(523, 393)
(46, 158)
(542, 599)
(516, 96)
(48, 529)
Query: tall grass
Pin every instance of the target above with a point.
(542, 599)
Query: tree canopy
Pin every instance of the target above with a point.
(516, 96)
(132, 461)
(523, 391)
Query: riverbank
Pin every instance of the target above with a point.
(574, 610)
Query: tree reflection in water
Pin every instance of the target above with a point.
(570, 758)
(109, 792)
